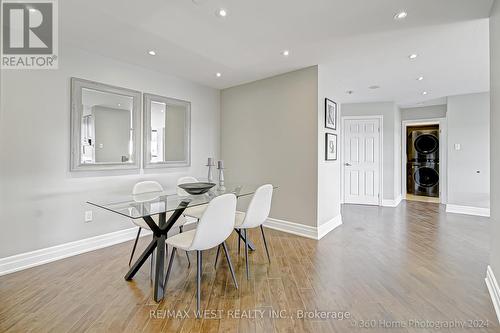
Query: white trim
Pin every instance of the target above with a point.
(328, 226)
(43, 256)
(381, 153)
(494, 290)
(392, 202)
(304, 230)
(443, 153)
(468, 210)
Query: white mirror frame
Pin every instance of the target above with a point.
(76, 115)
(147, 164)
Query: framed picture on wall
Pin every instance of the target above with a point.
(330, 114)
(330, 147)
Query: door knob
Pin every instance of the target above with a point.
(347, 164)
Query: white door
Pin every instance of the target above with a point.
(362, 161)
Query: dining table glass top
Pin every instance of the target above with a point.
(153, 203)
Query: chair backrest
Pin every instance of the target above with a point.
(216, 224)
(184, 180)
(259, 208)
(146, 187)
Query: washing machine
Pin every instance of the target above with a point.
(423, 145)
(423, 178)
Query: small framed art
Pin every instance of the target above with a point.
(330, 147)
(330, 114)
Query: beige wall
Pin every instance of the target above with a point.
(269, 134)
(495, 137)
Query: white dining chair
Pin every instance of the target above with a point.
(141, 190)
(257, 213)
(213, 229)
(193, 212)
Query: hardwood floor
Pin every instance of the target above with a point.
(386, 267)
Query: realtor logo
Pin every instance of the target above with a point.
(29, 34)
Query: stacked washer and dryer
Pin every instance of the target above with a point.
(423, 160)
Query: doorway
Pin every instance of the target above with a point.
(362, 160)
(423, 176)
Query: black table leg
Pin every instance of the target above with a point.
(159, 269)
(158, 243)
(144, 256)
(251, 245)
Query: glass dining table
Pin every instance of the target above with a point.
(169, 207)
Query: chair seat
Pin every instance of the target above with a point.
(141, 223)
(183, 240)
(240, 217)
(196, 211)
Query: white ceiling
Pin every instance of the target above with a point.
(357, 40)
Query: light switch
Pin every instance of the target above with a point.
(88, 216)
(457, 146)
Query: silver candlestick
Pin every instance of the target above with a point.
(220, 166)
(210, 165)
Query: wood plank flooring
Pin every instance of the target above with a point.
(389, 269)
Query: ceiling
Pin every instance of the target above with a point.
(358, 41)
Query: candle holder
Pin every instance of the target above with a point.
(210, 165)
(220, 167)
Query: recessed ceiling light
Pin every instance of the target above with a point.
(222, 12)
(119, 104)
(424, 93)
(286, 53)
(400, 16)
(420, 78)
(218, 74)
(413, 56)
(373, 87)
(152, 52)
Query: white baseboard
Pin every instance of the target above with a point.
(39, 257)
(304, 230)
(392, 202)
(468, 210)
(328, 226)
(494, 290)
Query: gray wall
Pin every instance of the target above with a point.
(468, 119)
(269, 134)
(175, 133)
(391, 141)
(41, 202)
(495, 137)
(112, 133)
(425, 112)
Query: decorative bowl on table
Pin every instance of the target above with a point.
(196, 188)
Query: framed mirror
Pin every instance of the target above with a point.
(167, 132)
(105, 126)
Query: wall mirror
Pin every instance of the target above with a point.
(105, 126)
(167, 124)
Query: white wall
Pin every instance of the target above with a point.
(425, 112)
(495, 137)
(269, 134)
(391, 141)
(397, 153)
(41, 203)
(469, 168)
(329, 191)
